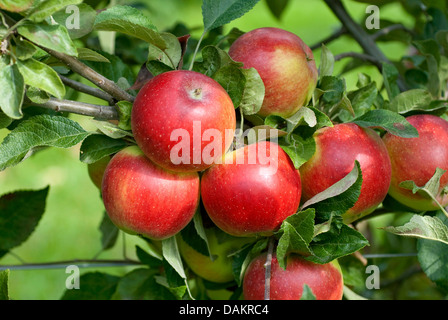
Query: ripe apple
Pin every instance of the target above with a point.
(254, 189)
(285, 64)
(325, 280)
(145, 199)
(337, 148)
(96, 170)
(221, 246)
(183, 120)
(416, 159)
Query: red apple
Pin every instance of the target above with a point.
(96, 170)
(416, 159)
(337, 148)
(145, 199)
(252, 191)
(183, 120)
(222, 246)
(285, 64)
(325, 280)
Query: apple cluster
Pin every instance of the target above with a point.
(146, 193)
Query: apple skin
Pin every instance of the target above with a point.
(325, 280)
(144, 199)
(221, 245)
(337, 148)
(417, 159)
(242, 199)
(96, 170)
(175, 100)
(285, 64)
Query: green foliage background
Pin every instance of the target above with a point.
(69, 227)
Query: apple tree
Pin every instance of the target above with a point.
(365, 197)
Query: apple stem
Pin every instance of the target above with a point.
(196, 50)
(267, 275)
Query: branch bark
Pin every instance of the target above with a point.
(85, 109)
(361, 56)
(81, 87)
(366, 42)
(77, 66)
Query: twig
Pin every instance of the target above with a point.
(331, 38)
(267, 275)
(82, 263)
(85, 71)
(361, 56)
(389, 29)
(85, 109)
(366, 42)
(81, 87)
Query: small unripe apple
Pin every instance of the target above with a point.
(285, 64)
(217, 268)
(144, 199)
(252, 191)
(337, 148)
(96, 170)
(325, 280)
(183, 120)
(416, 159)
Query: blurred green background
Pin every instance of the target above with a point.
(69, 227)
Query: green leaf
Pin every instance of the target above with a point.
(295, 235)
(111, 130)
(130, 21)
(433, 258)
(340, 241)
(97, 146)
(333, 90)
(79, 22)
(411, 100)
(109, 232)
(195, 236)
(390, 76)
(169, 56)
(387, 120)
(93, 286)
(124, 113)
(39, 131)
(5, 121)
(148, 259)
(24, 49)
(4, 283)
(90, 55)
(141, 284)
(327, 62)
(219, 13)
(20, 213)
(36, 95)
(307, 293)
(430, 189)
(54, 37)
(16, 5)
(12, 91)
(47, 8)
(232, 79)
(242, 258)
(40, 75)
(254, 91)
(299, 149)
(172, 256)
(423, 227)
(214, 58)
(277, 7)
(341, 196)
